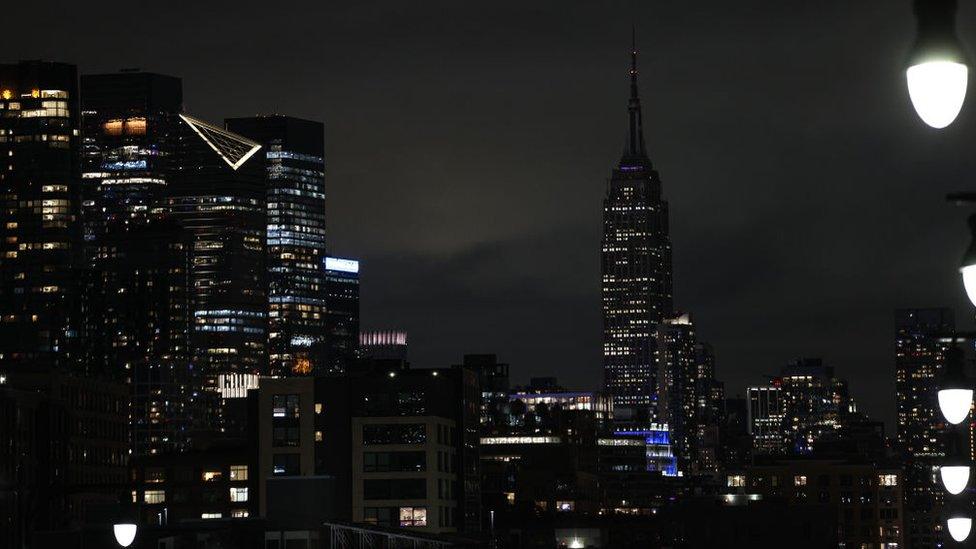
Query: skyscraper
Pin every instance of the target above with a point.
(636, 268)
(217, 194)
(294, 154)
(677, 385)
(128, 123)
(342, 281)
(767, 417)
(920, 358)
(39, 221)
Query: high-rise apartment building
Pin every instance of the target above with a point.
(294, 155)
(39, 215)
(636, 267)
(816, 401)
(677, 376)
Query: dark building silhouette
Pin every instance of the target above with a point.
(342, 322)
(39, 215)
(636, 266)
(920, 358)
(294, 155)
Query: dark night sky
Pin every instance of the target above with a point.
(468, 144)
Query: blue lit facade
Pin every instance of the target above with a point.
(657, 437)
(294, 153)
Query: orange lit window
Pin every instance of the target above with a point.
(113, 127)
(135, 126)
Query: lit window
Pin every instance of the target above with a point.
(510, 498)
(240, 513)
(318, 436)
(211, 476)
(238, 495)
(800, 480)
(888, 480)
(318, 407)
(413, 516)
(154, 496)
(737, 481)
(211, 515)
(565, 506)
(238, 472)
(155, 476)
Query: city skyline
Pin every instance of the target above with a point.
(823, 191)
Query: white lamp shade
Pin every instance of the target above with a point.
(969, 281)
(937, 89)
(954, 478)
(955, 404)
(959, 527)
(125, 534)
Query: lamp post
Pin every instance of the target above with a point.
(938, 68)
(955, 402)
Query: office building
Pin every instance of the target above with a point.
(342, 322)
(767, 420)
(636, 267)
(294, 156)
(129, 140)
(677, 374)
(494, 382)
(217, 194)
(817, 403)
(39, 216)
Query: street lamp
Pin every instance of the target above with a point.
(125, 533)
(968, 267)
(959, 527)
(956, 396)
(938, 71)
(955, 478)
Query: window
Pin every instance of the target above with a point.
(155, 476)
(240, 513)
(400, 433)
(510, 498)
(318, 436)
(286, 436)
(800, 480)
(413, 516)
(565, 506)
(211, 515)
(394, 461)
(382, 516)
(212, 476)
(154, 496)
(238, 495)
(737, 481)
(238, 472)
(888, 480)
(285, 464)
(400, 488)
(284, 406)
(318, 407)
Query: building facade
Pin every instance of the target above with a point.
(294, 154)
(39, 216)
(342, 322)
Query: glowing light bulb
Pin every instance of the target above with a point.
(969, 281)
(959, 527)
(955, 404)
(125, 534)
(937, 89)
(954, 478)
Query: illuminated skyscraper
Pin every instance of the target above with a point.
(294, 153)
(767, 419)
(217, 194)
(342, 281)
(128, 122)
(677, 375)
(39, 215)
(636, 267)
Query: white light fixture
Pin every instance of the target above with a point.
(959, 527)
(937, 89)
(954, 478)
(938, 72)
(969, 281)
(955, 404)
(125, 534)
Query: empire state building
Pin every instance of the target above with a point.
(636, 268)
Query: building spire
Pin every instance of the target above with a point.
(634, 152)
